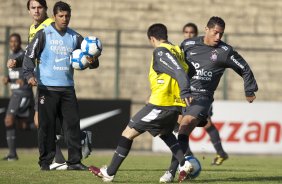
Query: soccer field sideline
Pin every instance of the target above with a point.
(145, 167)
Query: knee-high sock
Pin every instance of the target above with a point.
(183, 142)
(120, 154)
(188, 150)
(178, 155)
(11, 141)
(215, 139)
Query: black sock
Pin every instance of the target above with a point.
(178, 156)
(11, 141)
(188, 150)
(120, 154)
(183, 142)
(173, 166)
(59, 157)
(215, 139)
(82, 135)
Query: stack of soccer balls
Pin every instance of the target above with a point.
(90, 46)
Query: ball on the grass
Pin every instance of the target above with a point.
(196, 167)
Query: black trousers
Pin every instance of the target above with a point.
(50, 105)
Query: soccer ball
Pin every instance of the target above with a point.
(91, 46)
(196, 167)
(78, 60)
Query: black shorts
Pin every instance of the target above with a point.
(199, 108)
(20, 105)
(154, 120)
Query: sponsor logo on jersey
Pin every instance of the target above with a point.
(160, 53)
(60, 68)
(15, 86)
(173, 60)
(33, 48)
(190, 43)
(58, 47)
(61, 59)
(224, 47)
(201, 74)
(42, 100)
(165, 63)
(214, 55)
(160, 81)
(14, 74)
(236, 62)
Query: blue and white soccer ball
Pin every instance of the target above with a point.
(196, 167)
(91, 46)
(78, 60)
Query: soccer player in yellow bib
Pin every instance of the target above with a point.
(38, 11)
(170, 90)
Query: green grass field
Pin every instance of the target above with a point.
(144, 167)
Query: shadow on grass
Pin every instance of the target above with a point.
(206, 170)
(241, 179)
(212, 180)
(233, 179)
(140, 169)
(228, 170)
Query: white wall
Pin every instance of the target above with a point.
(244, 128)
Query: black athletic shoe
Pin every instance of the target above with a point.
(45, 167)
(10, 158)
(79, 167)
(218, 160)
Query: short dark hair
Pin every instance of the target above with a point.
(61, 6)
(216, 21)
(42, 2)
(159, 31)
(190, 24)
(17, 35)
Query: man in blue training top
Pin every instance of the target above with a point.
(52, 46)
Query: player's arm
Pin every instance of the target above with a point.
(94, 61)
(165, 62)
(241, 67)
(33, 51)
(19, 60)
(192, 70)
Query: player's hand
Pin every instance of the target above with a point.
(32, 81)
(188, 100)
(92, 59)
(20, 82)
(250, 99)
(5, 80)
(11, 63)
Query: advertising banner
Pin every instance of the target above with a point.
(243, 128)
(106, 119)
